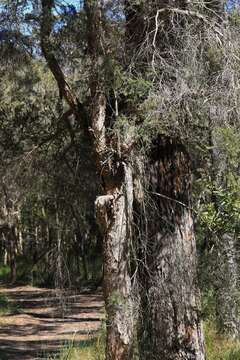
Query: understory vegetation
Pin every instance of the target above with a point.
(90, 350)
(7, 307)
(217, 347)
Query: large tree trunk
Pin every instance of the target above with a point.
(114, 212)
(170, 327)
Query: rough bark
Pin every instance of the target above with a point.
(114, 214)
(114, 206)
(226, 286)
(170, 327)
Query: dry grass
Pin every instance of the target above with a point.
(92, 349)
(218, 347)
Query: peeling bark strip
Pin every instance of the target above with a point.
(170, 327)
(113, 215)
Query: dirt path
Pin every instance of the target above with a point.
(45, 322)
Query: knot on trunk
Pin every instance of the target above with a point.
(103, 205)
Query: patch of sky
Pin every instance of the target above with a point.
(232, 4)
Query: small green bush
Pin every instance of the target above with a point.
(219, 347)
(91, 349)
(4, 273)
(6, 307)
(233, 354)
(4, 304)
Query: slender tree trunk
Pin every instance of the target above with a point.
(85, 267)
(12, 240)
(59, 274)
(114, 207)
(223, 258)
(226, 278)
(5, 258)
(85, 262)
(170, 327)
(20, 241)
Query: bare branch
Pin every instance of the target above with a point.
(47, 49)
(189, 13)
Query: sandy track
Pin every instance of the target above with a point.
(47, 320)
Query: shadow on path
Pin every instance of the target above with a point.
(47, 320)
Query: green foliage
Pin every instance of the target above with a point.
(229, 144)
(6, 307)
(134, 89)
(211, 217)
(235, 17)
(213, 60)
(4, 272)
(4, 304)
(44, 174)
(207, 301)
(218, 347)
(222, 212)
(92, 349)
(226, 215)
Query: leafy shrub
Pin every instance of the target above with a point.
(91, 349)
(218, 347)
(6, 307)
(4, 273)
(4, 304)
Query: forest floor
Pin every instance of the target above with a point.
(45, 320)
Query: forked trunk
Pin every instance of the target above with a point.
(112, 208)
(170, 327)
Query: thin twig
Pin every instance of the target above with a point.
(171, 199)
